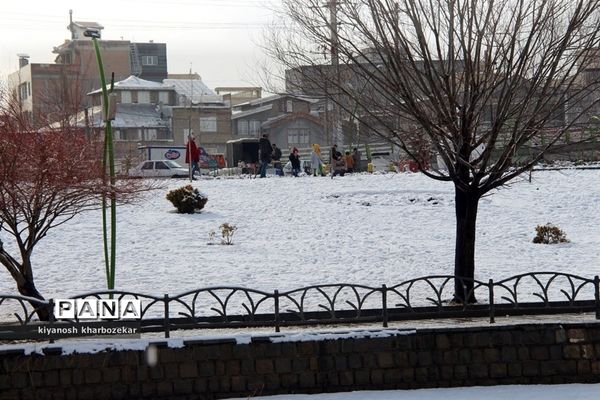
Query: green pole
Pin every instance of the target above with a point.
(108, 158)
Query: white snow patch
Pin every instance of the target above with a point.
(513, 392)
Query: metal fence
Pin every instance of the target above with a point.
(429, 297)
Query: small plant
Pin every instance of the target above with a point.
(549, 234)
(211, 237)
(227, 231)
(187, 199)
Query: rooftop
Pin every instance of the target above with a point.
(135, 83)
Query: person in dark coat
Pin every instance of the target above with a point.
(265, 151)
(277, 160)
(295, 161)
(338, 163)
(357, 159)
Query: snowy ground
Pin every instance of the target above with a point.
(368, 229)
(513, 392)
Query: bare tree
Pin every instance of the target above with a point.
(488, 86)
(46, 178)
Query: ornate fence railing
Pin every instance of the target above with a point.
(427, 297)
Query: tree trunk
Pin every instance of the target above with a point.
(464, 256)
(28, 289)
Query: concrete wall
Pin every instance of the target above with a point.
(390, 359)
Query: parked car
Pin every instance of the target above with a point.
(158, 169)
(305, 166)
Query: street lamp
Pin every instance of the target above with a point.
(108, 160)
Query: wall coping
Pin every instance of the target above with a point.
(91, 346)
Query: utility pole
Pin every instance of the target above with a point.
(189, 133)
(337, 136)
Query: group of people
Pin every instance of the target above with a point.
(344, 163)
(340, 164)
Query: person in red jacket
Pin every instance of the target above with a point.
(192, 155)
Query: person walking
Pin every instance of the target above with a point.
(192, 155)
(264, 154)
(295, 161)
(315, 160)
(277, 160)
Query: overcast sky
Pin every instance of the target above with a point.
(217, 38)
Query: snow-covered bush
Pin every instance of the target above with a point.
(549, 234)
(187, 199)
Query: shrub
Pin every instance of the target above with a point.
(187, 199)
(211, 237)
(549, 234)
(227, 232)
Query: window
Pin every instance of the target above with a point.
(143, 97)
(125, 97)
(160, 165)
(128, 134)
(164, 134)
(298, 137)
(163, 97)
(289, 106)
(254, 127)
(147, 165)
(242, 127)
(208, 124)
(149, 60)
(23, 91)
(150, 134)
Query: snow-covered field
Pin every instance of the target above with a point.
(294, 232)
(513, 392)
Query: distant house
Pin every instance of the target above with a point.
(134, 90)
(286, 118)
(198, 110)
(143, 115)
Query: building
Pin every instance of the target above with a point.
(143, 115)
(52, 92)
(239, 94)
(201, 112)
(151, 114)
(287, 119)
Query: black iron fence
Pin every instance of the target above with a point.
(429, 297)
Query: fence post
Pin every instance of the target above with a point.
(597, 295)
(492, 305)
(276, 297)
(51, 317)
(166, 319)
(384, 305)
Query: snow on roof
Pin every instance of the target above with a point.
(275, 121)
(260, 101)
(194, 89)
(88, 24)
(251, 112)
(135, 83)
(127, 116)
(274, 97)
